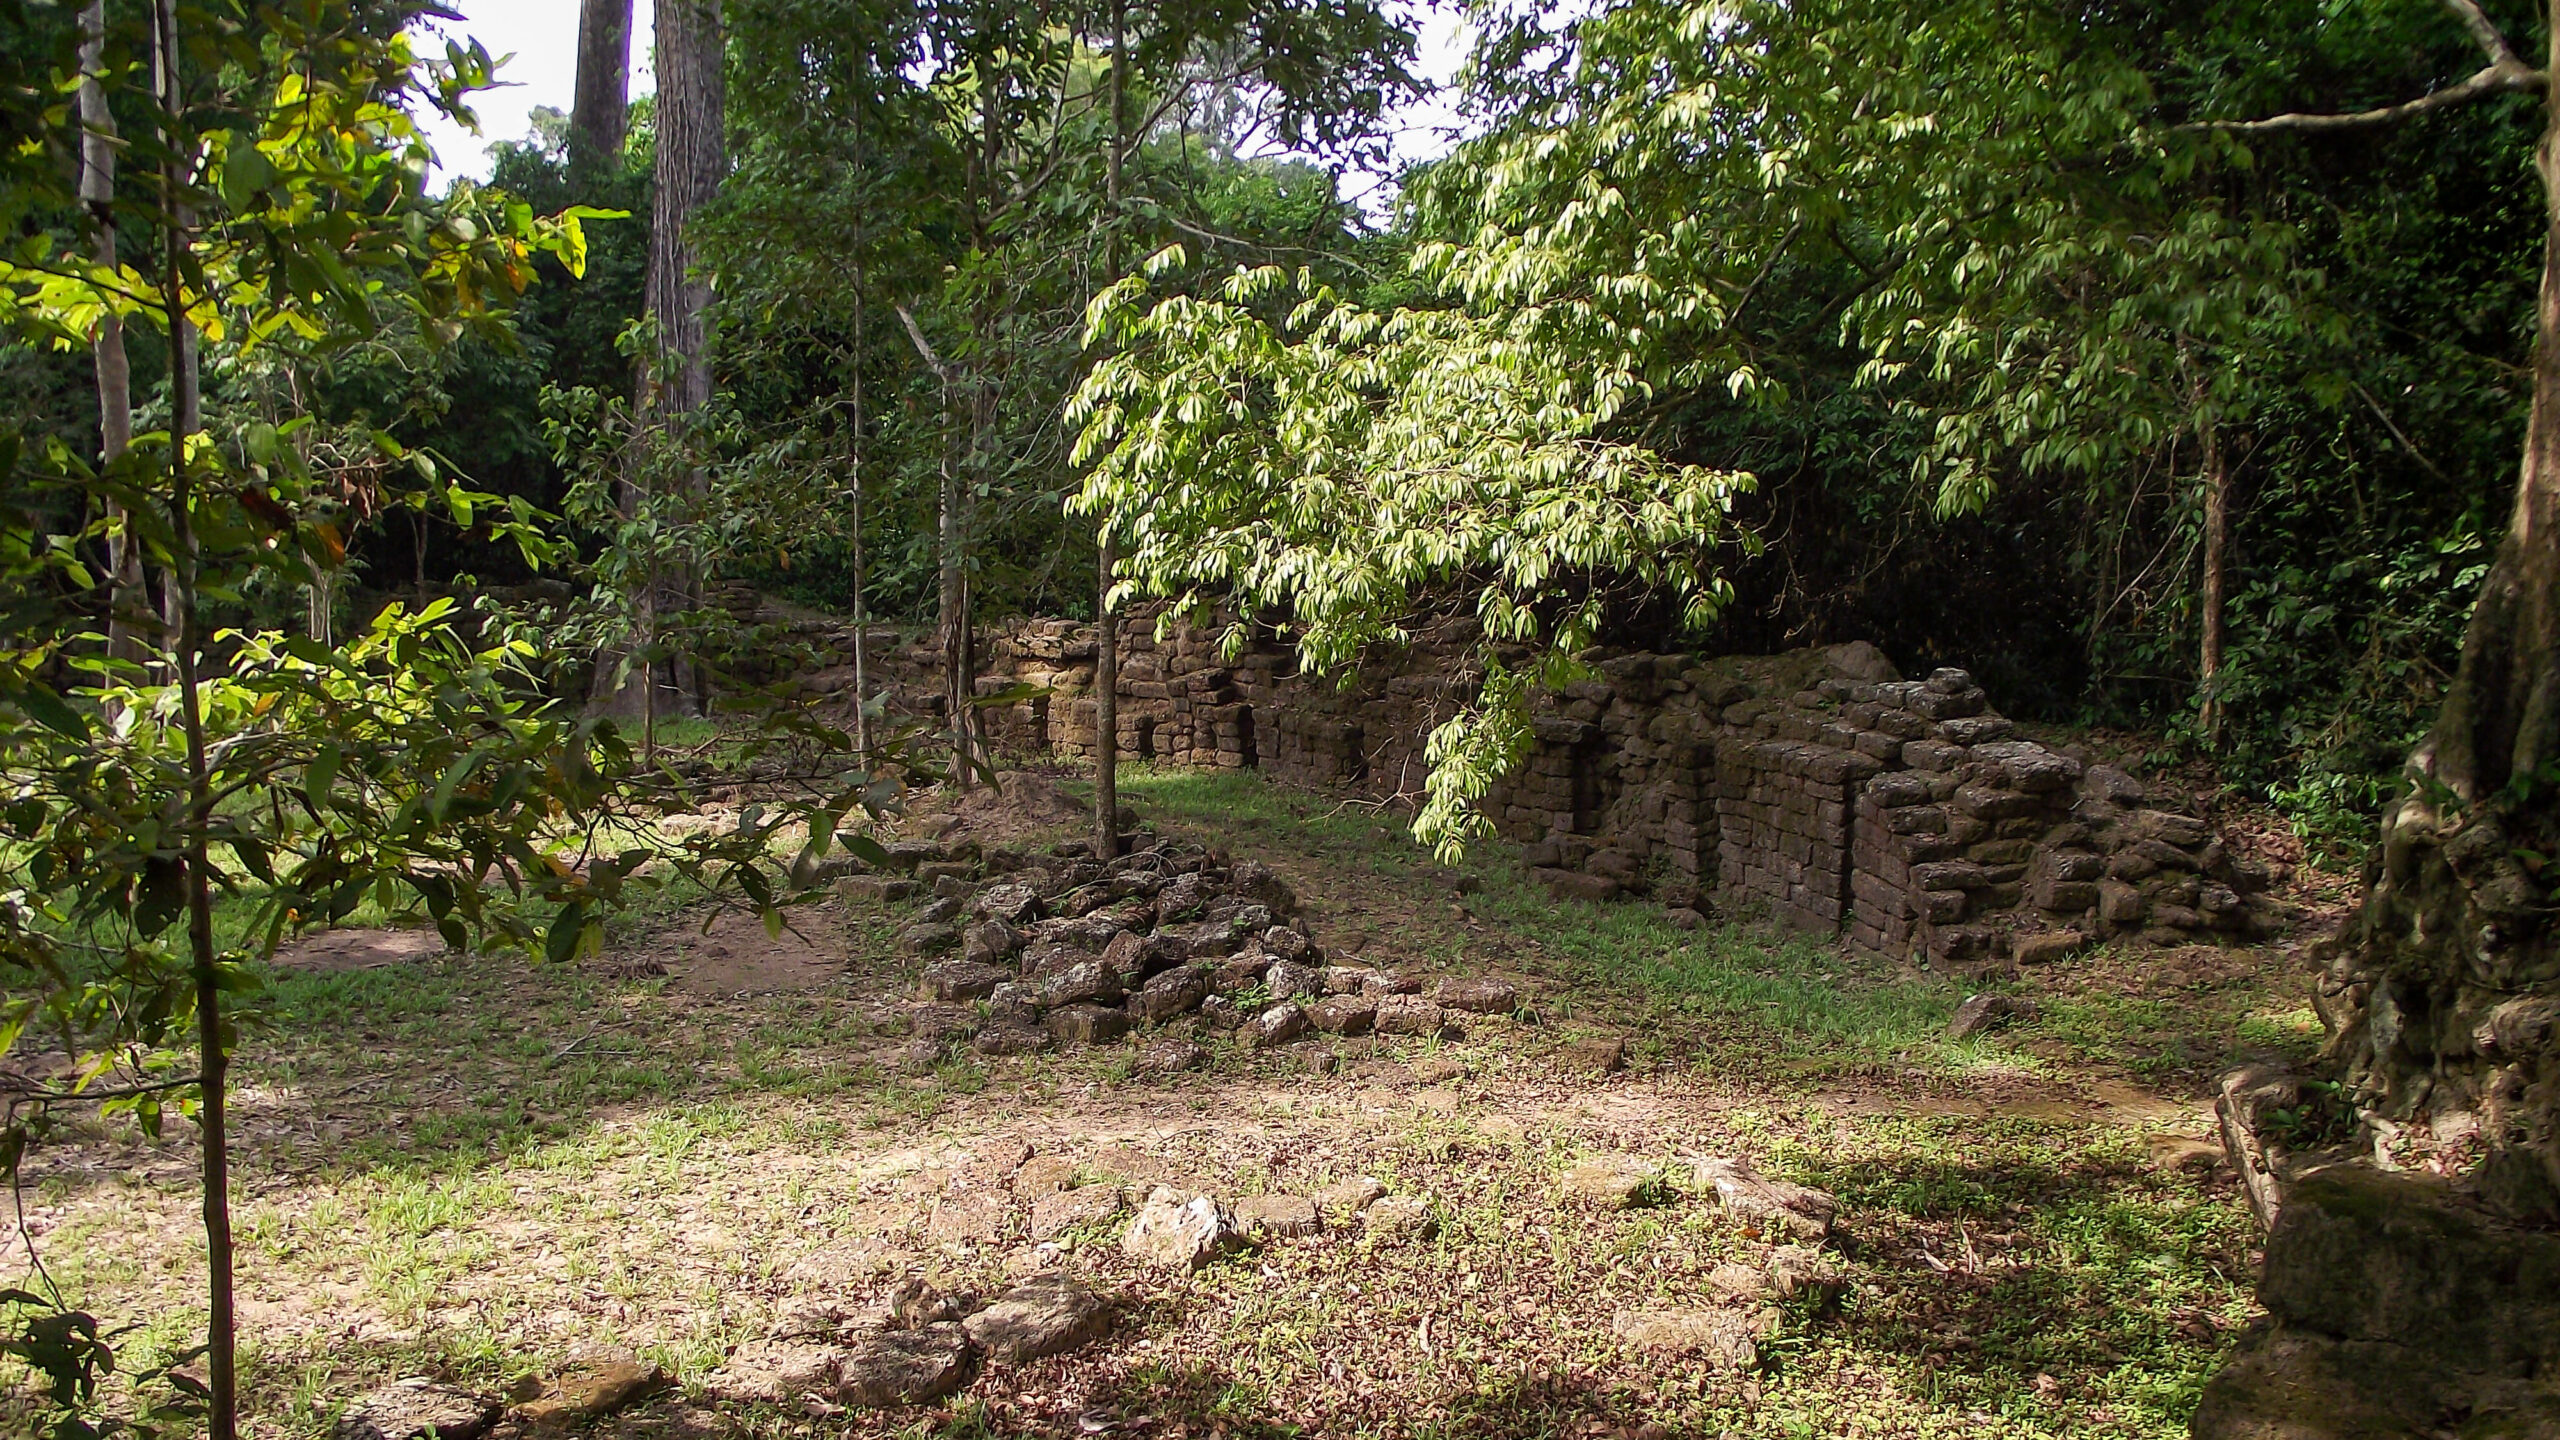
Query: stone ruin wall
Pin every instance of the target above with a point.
(1817, 788)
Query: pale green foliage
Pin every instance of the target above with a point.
(2030, 264)
(1333, 468)
(2024, 259)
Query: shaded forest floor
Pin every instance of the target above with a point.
(476, 1168)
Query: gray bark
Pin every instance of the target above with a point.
(602, 105)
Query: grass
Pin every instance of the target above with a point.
(473, 1167)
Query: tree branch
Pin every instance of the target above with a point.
(2503, 75)
(924, 347)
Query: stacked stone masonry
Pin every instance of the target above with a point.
(1818, 788)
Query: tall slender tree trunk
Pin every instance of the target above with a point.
(2210, 601)
(2441, 995)
(599, 112)
(1106, 625)
(953, 578)
(861, 612)
(127, 599)
(213, 1058)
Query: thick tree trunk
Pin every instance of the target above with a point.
(2443, 996)
(690, 159)
(598, 114)
(691, 156)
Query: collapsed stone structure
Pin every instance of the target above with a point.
(1029, 951)
(1818, 787)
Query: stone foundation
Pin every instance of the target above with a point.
(1816, 788)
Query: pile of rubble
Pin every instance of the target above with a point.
(1027, 952)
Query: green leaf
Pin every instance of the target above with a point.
(561, 945)
(51, 711)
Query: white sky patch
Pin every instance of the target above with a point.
(537, 43)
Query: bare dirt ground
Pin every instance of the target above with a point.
(477, 1168)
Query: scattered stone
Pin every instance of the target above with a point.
(992, 942)
(1796, 1270)
(1127, 956)
(1722, 1338)
(1175, 992)
(952, 980)
(1286, 1215)
(1687, 917)
(1220, 1013)
(1982, 1013)
(928, 939)
(1010, 904)
(1044, 1175)
(1012, 1039)
(1798, 1210)
(942, 911)
(585, 1392)
(776, 1372)
(1575, 885)
(1482, 996)
(1399, 1217)
(1289, 945)
(1278, 1025)
(873, 889)
(1182, 898)
(1350, 1197)
(1610, 1182)
(1255, 881)
(1437, 1070)
(1057, 1214)
(410, 1409)
(905, 1367)
(1597, 1057)
(1044, 1315)
(2182, 1152)
(1086, 981)
(1406, 1015)
(1288, 981)
(1343, 1014)
(1013, 1003)
(1740, 1284)
(1176, 1233)
(1238, 973)
(1350, 980)
(1167, 1057)
(1087, 1024)
(915, 1304)
(2050, 946)
(916, 1057)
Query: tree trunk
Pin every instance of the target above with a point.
(1106, 625)
(2209, 599)
(213, 1060)
(691, 156)
(690, 159)
(598, 114)
(2442, 997)
(954, 587)
(127, 599)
